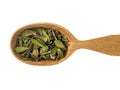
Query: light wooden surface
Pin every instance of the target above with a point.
(109, 44)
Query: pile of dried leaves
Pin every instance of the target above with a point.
(41, 43)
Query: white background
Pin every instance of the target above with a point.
(84, 69)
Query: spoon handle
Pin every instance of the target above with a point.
(109, 45)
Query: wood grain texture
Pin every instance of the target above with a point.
(109, 44)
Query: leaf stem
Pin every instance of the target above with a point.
(54, 35)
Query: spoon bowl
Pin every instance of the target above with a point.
(71, 44)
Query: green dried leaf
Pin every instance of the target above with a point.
(58, 35)
(53, 53)
(28, 44)
(26, 54)
(20, 41)
(50, 35)
(25, 39)
(40, 30)
(64, 38)
(21, 49)
(59, 44)
(47, 56)
(35, 53)
(28, 33)
(33, 58)
(36, 42)
(46, 35)
(44, 50)
(44, 38)
(59, 53)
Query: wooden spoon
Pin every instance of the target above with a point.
(109, 44)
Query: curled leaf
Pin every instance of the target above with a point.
(21, 49)
(27, 52)
(47, 56)
(43, 33)
(44, 38)
(53, 53)
(25, 39)
(59, 53)
(28, 33)
(58, 35)
(46, 35)
(40, 30)
(59, 44)
(36, 42)
(35, 53)
(44, 50)
(41, 41)
(51, 37)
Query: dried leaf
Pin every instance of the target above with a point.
(58, 35)
(41, 41)
(44, 38)
(59, 44)
(44, 50)
(64, 38)
(51, 37)
(46, 35)
(25, 39)
(40, 30)
(28, 33)
(20, 41)
(35, 53)
(53, 53)
(59, 53)
(36, 42)
(21, 49)
(27, 52)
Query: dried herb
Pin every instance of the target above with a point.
(37, 43)
(28, 33)
(53, 53)
(41, 43)
(59, 44)
(21, 49)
